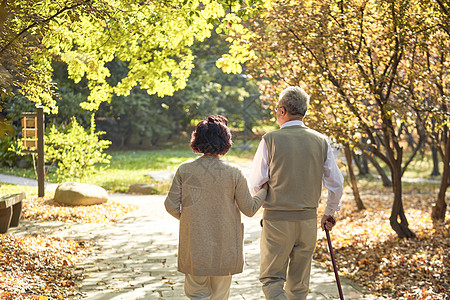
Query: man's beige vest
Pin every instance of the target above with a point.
(296, 157)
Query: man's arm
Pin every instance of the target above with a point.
(334, 183)
(260, 168)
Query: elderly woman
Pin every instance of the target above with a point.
(207, 196)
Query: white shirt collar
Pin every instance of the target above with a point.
(293, 123)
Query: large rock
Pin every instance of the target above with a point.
(141, 188)
(75, 193)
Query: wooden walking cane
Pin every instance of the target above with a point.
(338, 282)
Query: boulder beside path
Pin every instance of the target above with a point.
(75, 193)
(141, 188)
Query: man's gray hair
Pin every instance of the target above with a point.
(295, 100)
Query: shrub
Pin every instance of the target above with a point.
(75, 151)
(9, 157)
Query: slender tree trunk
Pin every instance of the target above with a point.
(365, 164)
(3, 13)
(357, 159)
(384, 178)
(440, 207)
(398, 220)
(434, 155)
(361, 163)
(349, 157)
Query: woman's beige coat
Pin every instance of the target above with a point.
(207, 196)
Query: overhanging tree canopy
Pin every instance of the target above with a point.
(153, 37)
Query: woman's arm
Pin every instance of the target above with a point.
(173, 199)
(247, 204)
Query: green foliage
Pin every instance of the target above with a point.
(140, 120)
(8, 157)
(70, 96)
(136, 120)
(211, 91)
(130, 167)
(13, 107)
(153, 37)
(6, 129)
(75, 151)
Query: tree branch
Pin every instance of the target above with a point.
(444, 9)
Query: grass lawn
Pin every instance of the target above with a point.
(130, 167)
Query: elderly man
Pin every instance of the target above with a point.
(294, 160)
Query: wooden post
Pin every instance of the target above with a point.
(40, 150)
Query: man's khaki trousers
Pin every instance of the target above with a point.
(286, 255)
(207, 287)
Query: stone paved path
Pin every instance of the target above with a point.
(135, 258)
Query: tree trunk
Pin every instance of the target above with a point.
(398, 219)
(440, 207)
(434, 155)
(348, 156)
(365, 164)
(361, 163)
(3, 14)
(386, 181)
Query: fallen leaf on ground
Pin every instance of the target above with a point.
(46, 209)
(38, 267)
(369, 252)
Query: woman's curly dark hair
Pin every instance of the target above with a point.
(212, 136)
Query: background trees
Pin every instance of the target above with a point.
(377, 70)
(140, 120)
(146, 120)
(152, 37)
(428, 85)
(125, 54)
(354, 58)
